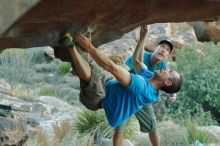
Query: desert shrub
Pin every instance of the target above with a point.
(25, 92)
(201, 87)
(16, 64)
(47, 90)
(37, 55)
(64, 68)
(172, 134)
(196, 134)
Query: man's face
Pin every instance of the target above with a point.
(162, 52)
(165, 74)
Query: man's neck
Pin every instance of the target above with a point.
(154, 84)
(154, 61)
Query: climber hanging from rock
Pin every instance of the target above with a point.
(120, 93)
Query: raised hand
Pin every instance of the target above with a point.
(143, 31)
(84, 41)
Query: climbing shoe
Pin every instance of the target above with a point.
(67, 40)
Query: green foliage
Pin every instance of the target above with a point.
(201, 71)
(195, 134)
(201, 87)
(64, 68)
(47, 91)
(184, 108)
(95, 125)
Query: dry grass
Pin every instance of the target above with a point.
(60, 130)
(42, 138)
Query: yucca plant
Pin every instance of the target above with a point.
(94, 126)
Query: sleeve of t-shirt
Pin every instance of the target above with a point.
(129, 62)
(164, 65)
(137, 84)
(146, 73)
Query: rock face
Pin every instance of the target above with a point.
(42, 113)
(207, 31)
(107, 20)
(180, 34)
(12, 10)
(12, 132)
(5, 87)
(108, 142)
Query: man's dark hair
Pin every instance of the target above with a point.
(176, 85)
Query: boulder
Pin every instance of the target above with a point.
(12, 10)
(181, 34)
(5, 87)
(45, 23)
(214, 130)
(12, 132)
(43, 113)
(108, 142)
(207, 31)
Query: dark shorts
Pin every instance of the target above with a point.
(146, 118)
(92, 93)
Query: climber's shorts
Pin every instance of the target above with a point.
(146, 118)
(92, 93)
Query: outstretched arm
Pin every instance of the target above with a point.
(122, 75)
(139, 51)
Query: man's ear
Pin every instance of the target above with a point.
(167, 83)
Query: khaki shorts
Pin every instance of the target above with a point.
(146, 119)
(92, 93)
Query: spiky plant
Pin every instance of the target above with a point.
(94, 125)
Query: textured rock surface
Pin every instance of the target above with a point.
(10, 10)
(207, 31)
(108, 20)
(5, 87)
(108, 142)
(40, 114)
(12, 132)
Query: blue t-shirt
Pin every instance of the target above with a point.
(121, 102)
(147, 55)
